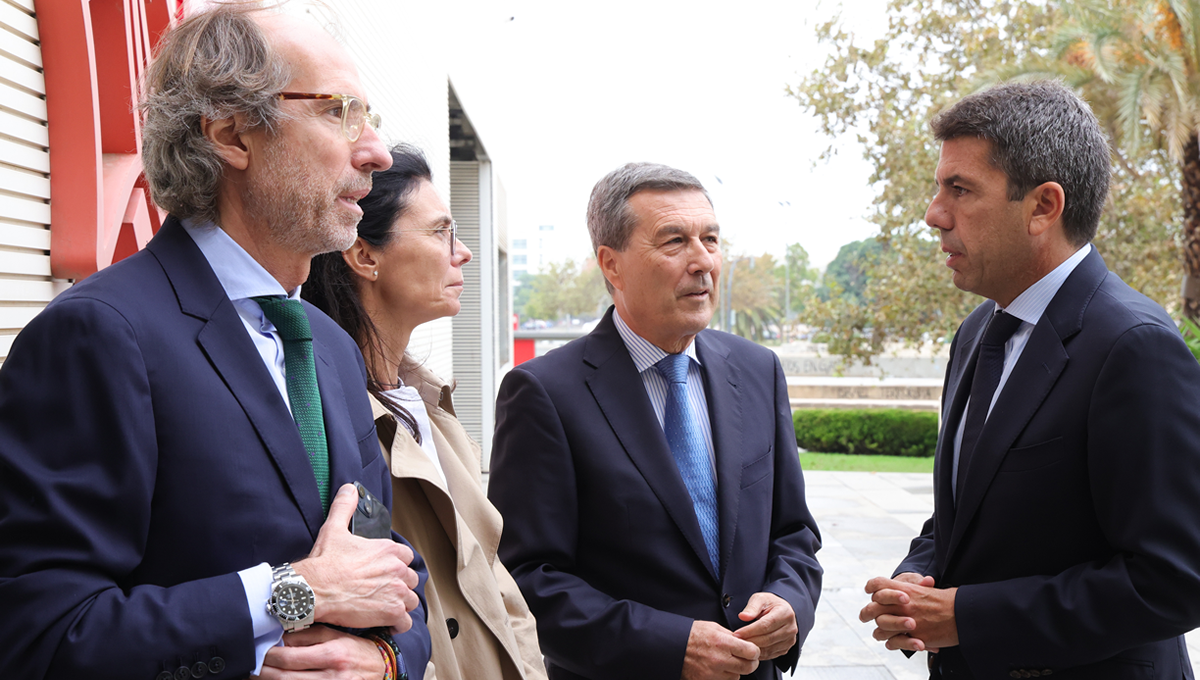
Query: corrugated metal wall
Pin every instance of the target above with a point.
(25, 283)
(468, 358)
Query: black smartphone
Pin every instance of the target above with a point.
(371, 518)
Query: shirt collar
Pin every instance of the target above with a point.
(644, 353)
(1032, 303)
(240, 275)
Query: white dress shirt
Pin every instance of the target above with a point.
(243, 277)
(645, 355)
(410, 398)
(1028, 307)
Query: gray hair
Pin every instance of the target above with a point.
(609, 218)
(214, 65)
(1040, 132)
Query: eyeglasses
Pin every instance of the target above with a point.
(452, 231)
(355, 112)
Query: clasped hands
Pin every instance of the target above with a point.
(358, 583)
(714, 651)
(910, 613)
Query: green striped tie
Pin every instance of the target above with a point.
(292, 323)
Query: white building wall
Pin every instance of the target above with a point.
(25, 283)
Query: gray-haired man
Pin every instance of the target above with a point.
(653, 503)
(174, 430)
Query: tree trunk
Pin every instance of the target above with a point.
(1191, 228)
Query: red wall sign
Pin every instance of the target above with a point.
(93, 55)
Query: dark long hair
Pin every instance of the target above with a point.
(332, 287)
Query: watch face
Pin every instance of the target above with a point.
(292, 601)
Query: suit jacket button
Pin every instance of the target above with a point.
(165, 675)
(1047, 671)
(199, 669)
(452, 626)
(725, 600)
(1014, 674)
(216, 665)
(182, 673)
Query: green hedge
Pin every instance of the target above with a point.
(889, 432)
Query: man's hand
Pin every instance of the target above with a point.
(715, 653)
(325, 654)
(909, 613)
(359, 582)
(774, 629)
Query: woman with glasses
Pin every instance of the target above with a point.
(405, 269)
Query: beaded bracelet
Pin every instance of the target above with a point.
(385, 635)
(389, 658)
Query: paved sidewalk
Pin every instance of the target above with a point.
(867, 520)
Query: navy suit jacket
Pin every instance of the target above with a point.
(1075, 542)
(146, 456)
(599, 530)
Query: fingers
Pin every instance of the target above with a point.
(887, 626)
(758, 603)
(904, 642)
(341, 510)
(912, 577)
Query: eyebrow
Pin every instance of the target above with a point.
(957, 179)
(712, 228)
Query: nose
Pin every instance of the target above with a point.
(935, 214)
(369, 153)
(462, 254)
(701, 260)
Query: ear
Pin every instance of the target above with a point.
(1048, 201)
(606, 258)
(229, 143)
(363, 259)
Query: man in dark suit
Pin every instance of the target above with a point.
(654, 512)
(1064, 539)
(174, 430)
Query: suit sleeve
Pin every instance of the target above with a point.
(533, 484)
(793, 572)
(1143, 456)
(523, 624)
(78, 459)
(415, 643)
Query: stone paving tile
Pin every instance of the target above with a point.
(867, 521)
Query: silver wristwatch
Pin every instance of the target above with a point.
(292, 600)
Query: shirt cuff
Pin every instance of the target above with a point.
(268, 632)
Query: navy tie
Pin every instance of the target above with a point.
(988, 370)
(682, 427)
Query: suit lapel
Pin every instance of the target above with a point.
(345, 466)
(1037, 370)
(954, 403)
(621, 396)
(725, 415)
(227, 345)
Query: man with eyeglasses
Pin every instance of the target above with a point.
(178, 432)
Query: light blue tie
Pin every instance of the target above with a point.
(684, 436)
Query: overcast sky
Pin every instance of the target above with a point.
(563, 92)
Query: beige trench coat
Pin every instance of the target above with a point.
(457, 530)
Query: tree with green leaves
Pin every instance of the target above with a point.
(1142, 61)
(934, 53)
(566, 289)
